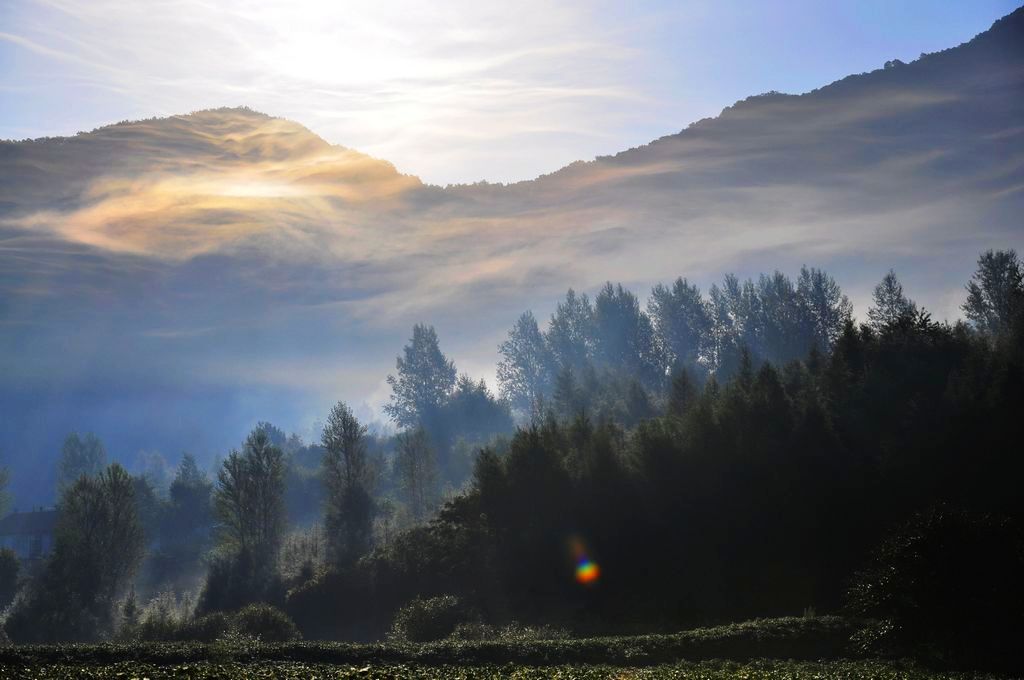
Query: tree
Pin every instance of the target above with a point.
(568, 399)
(80, 455)
(724, 343)
(425, 378)
(891, 305)
(471, 412)
(249, 498)
(349, 511)
(682, 322)
(995, 292)
(416, 469)
(825, 308)
(276, 435)
(98, 544)
(99, 532)
(149, 507)
(5, 496)
(682, 393)
(10, 566)
(946, 586)
(570, 333)
(190, 493)
(783, 331)
(623, 335)
(525, 369)
(154, 468)
(188, 520)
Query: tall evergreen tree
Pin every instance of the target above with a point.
(890, 304)
(191, 513)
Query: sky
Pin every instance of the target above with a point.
(169, 283)
(453, 91)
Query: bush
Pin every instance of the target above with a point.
(428, 620)
(946, 588)
(337, 605)
(235, 580)
(267, 623)
(41, 614)
(165, 617)
(207, 628)
(510, 634)
(9, 568)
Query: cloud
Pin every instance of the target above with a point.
(236, 254)
(408, 81)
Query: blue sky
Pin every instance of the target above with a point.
(458, 91)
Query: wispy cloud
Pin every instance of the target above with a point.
(409, 81)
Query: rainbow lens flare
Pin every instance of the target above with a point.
(587, 571)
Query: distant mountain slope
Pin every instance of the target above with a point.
(167, 282)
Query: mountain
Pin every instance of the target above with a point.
(167, 282)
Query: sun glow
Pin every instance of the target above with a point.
(254, 188)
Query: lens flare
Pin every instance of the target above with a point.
(587, 570)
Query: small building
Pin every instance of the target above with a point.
(28, 534)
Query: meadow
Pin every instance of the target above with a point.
(705, 670)
(769, 649)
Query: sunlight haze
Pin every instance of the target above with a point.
(454, 91)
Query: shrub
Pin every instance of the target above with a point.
(516, 632)
(236, 579)
(207, 628)
(512, 633)
(474, 631)
(267, 623)
(428, 620)
(340, 605)
(165, 617)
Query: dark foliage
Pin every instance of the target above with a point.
(760, 495)
(98, 545)
(429, 620)
(789, 638)
(266, 623)
(237, 578)
(10, 568)
(946, 587)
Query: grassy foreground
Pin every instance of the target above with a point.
(825, 637)
(774, 649)
(706, 670)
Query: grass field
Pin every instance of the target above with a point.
(707, 670)
(768, 649)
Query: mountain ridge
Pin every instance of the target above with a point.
(1009, 28)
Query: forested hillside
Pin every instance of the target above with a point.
(755, 451)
